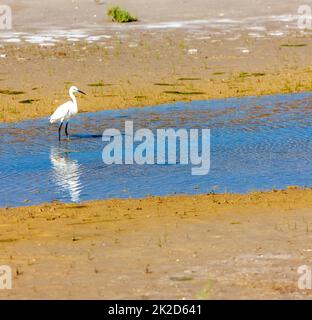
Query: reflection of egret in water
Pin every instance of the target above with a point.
(66, 173)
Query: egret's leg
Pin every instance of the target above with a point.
(60, 127)
(66, 132)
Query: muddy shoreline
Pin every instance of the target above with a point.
(199, 247)
(145, 69)
(223, 246)
(196, 247)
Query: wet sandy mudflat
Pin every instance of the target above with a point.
(203, 247)
(198, 246)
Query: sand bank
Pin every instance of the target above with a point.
(205, 247)
(136, 69)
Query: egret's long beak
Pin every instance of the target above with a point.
(82, 92)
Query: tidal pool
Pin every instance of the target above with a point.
(257, 143)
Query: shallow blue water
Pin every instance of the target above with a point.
(257, 143)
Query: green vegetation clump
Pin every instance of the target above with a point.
(189, 79)
(118, 14)
(11, 92)
(162, 84)
(254, 74)
(183, 92)
(28, 101)
(290, 45)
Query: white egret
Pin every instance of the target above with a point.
(67, 110)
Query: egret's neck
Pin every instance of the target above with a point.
(73, 99)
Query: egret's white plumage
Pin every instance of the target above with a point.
(66, 111)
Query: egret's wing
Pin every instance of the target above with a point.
(61, 112)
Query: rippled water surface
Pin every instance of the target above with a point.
(256, 144)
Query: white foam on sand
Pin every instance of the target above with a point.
(93, 38)
(38, 39)
(255, 35)
(12, 40)
(47, 44)
(276, 33)
(72, 39)
(257, 26)
(243, 50)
